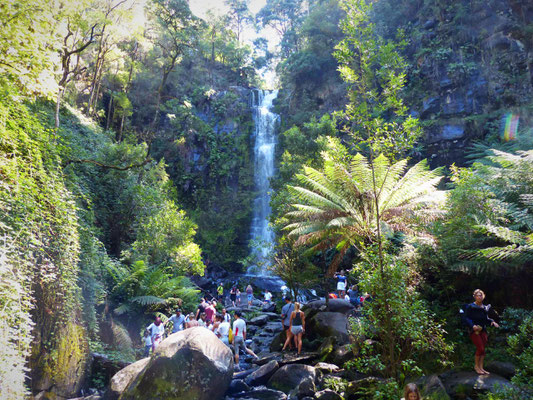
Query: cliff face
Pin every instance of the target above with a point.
(470, 65)
(206, 144)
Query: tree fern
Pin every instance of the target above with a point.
(335, 207)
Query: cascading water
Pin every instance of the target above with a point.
(266, 124)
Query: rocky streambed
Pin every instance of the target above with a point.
(195, 364)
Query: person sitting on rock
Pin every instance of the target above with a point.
(239, 338)
(286, 312)
(353, 294)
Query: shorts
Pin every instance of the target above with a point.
(232, 297)
(238, 343)
(296, 329)
(225, 340)
(341, 285)
(250, 297)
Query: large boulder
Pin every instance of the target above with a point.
(502, 368)
(289, 377)
(261, 375)
(470, 383)
(334, 305)
(122, 379)
(432, 386)
(329, 324)
(192, 364)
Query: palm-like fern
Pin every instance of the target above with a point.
(143, 287)
(508, 179)
(336, 207)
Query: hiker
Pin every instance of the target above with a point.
(238, 296)
(476, 317)
(297, 326)
(210, 312)
(353, 295)
(191, 321)
(177, 320)
(341, 284)
(202, 320)
(223, 330)
(268, 297)
(147, 340)
(239, 338)
(249, 294)
(411, 392)
(225, 316)
(233, 295)
(156, 329)
(220, 292)
(201, 308)
(286, 313)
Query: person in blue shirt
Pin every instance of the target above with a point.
(476, 318)
(178, 321)
(341, 284)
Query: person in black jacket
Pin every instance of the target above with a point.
(476, 317)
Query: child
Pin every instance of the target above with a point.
(411, 392)
(147, 340)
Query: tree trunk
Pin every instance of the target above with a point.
(58, 105)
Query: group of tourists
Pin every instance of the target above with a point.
(475, 317)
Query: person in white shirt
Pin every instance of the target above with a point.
(239, 337)
(147, 340)
(268, 297)
(222, 331)
(157, 330)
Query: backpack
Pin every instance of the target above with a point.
(462, 314)
(230, 335)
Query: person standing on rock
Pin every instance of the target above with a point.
(239, 337)
(156, 329)
(177, 320)
(233, 295)
(210, 312)
(341, 284)
(268, 297)
(286, 313)
(147, 340)
(297, 326)
(220, 292)
(476, 317)
(191, 322)
(225, 316)
(249, 294)
(223, 330)
(238, 297)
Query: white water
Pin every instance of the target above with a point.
(262, 236)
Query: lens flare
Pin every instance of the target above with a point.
(510, 126)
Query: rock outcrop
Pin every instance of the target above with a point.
(192, 364)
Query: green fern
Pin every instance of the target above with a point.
(335, 207)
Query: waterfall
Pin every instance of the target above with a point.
(262, 236)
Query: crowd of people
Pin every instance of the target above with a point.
(475, 317)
